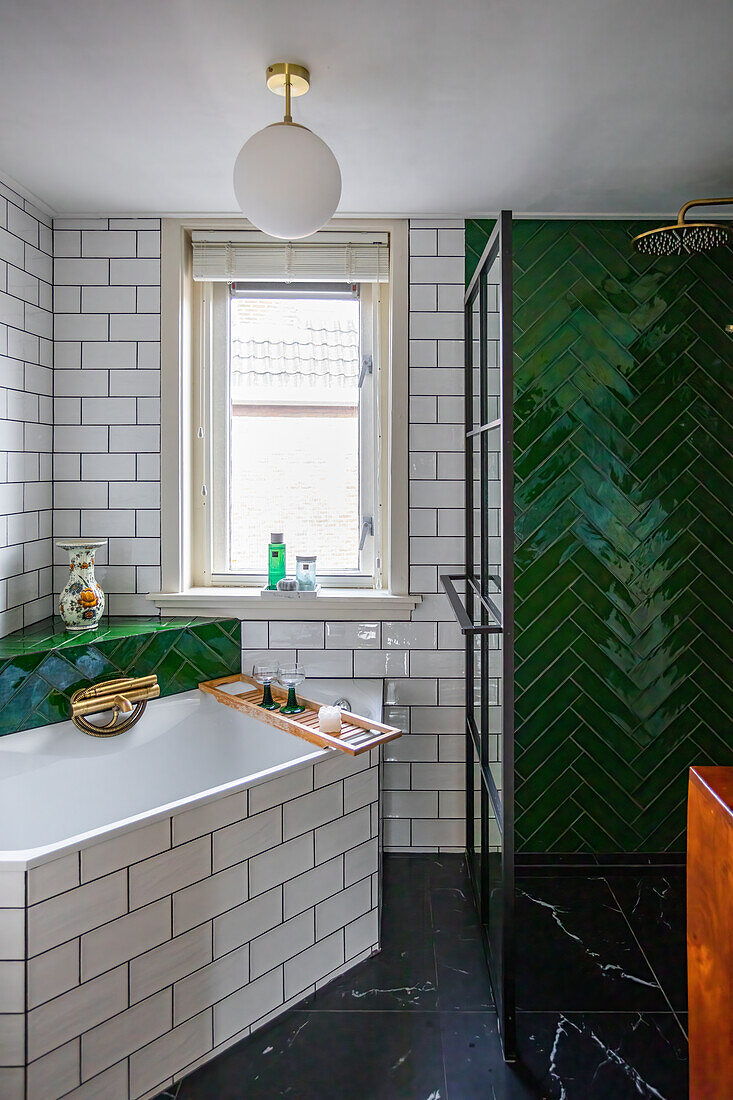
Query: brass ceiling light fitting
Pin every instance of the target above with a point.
(288, 79)
(686, 237)
(286, 179)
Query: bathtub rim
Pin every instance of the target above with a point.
(28, 858)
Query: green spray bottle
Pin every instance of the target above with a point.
(275, 559)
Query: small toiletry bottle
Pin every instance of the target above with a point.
(305, 572)
(275, 559)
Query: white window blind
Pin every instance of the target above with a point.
(330, 258)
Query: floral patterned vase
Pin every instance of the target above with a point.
(81, 603)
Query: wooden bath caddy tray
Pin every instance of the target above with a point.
(244, 694)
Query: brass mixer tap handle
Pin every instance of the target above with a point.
(121, 703)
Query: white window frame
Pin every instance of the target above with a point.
(211, 512)
(185, 337)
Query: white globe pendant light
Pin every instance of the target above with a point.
(286, 179)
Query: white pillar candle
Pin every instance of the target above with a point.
(329, 719)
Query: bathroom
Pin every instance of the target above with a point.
(492, 398)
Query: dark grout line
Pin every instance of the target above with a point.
(410, 1010)
(596, 1012)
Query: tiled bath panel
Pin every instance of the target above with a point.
(147, 953)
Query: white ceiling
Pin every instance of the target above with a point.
(431, 106)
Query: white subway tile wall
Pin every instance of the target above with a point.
(26, 411)
(421, 662)
(161, 961)
(107, 401)
(107, 470)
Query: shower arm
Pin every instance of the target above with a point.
(701, 202)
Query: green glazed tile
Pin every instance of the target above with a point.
(623, 498)
(42, 666)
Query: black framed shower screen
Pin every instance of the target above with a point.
(482, 599)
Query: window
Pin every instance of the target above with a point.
(292, 378)
(238, 403)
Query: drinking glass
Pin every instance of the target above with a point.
(290, 676)
(266, 674)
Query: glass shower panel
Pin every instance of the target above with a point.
(474, 442)
(476, 360)
(478, 694)
(491, 339)
(492, 507)
(475, 445)
(475, 848)
(482, 600)
(494, 873)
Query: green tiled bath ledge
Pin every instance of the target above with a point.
(41, 666)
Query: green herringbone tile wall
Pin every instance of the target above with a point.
(623, 428)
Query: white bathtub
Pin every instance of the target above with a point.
(166, 892)
(60, 787)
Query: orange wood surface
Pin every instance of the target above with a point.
(710, 932)
(357, 734)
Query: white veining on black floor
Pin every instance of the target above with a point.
(655, 907)
(657, 892)
(605, 968)
(611, 1057)
(411, 993)
(554, 1076)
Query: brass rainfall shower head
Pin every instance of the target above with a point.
(686, 237)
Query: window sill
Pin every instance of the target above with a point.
(334, 604)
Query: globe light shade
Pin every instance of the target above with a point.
(287, 181)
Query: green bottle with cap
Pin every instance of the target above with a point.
(275, 559)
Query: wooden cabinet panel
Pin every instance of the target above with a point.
(710, 932)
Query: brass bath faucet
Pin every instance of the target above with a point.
(126, 699)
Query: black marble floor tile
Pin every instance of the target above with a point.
(474, 1065)
(413, 878)
(320, 1056)
(447, 871)
(603, 1056)
(461, 971)
(575, 951)
(654, 904)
